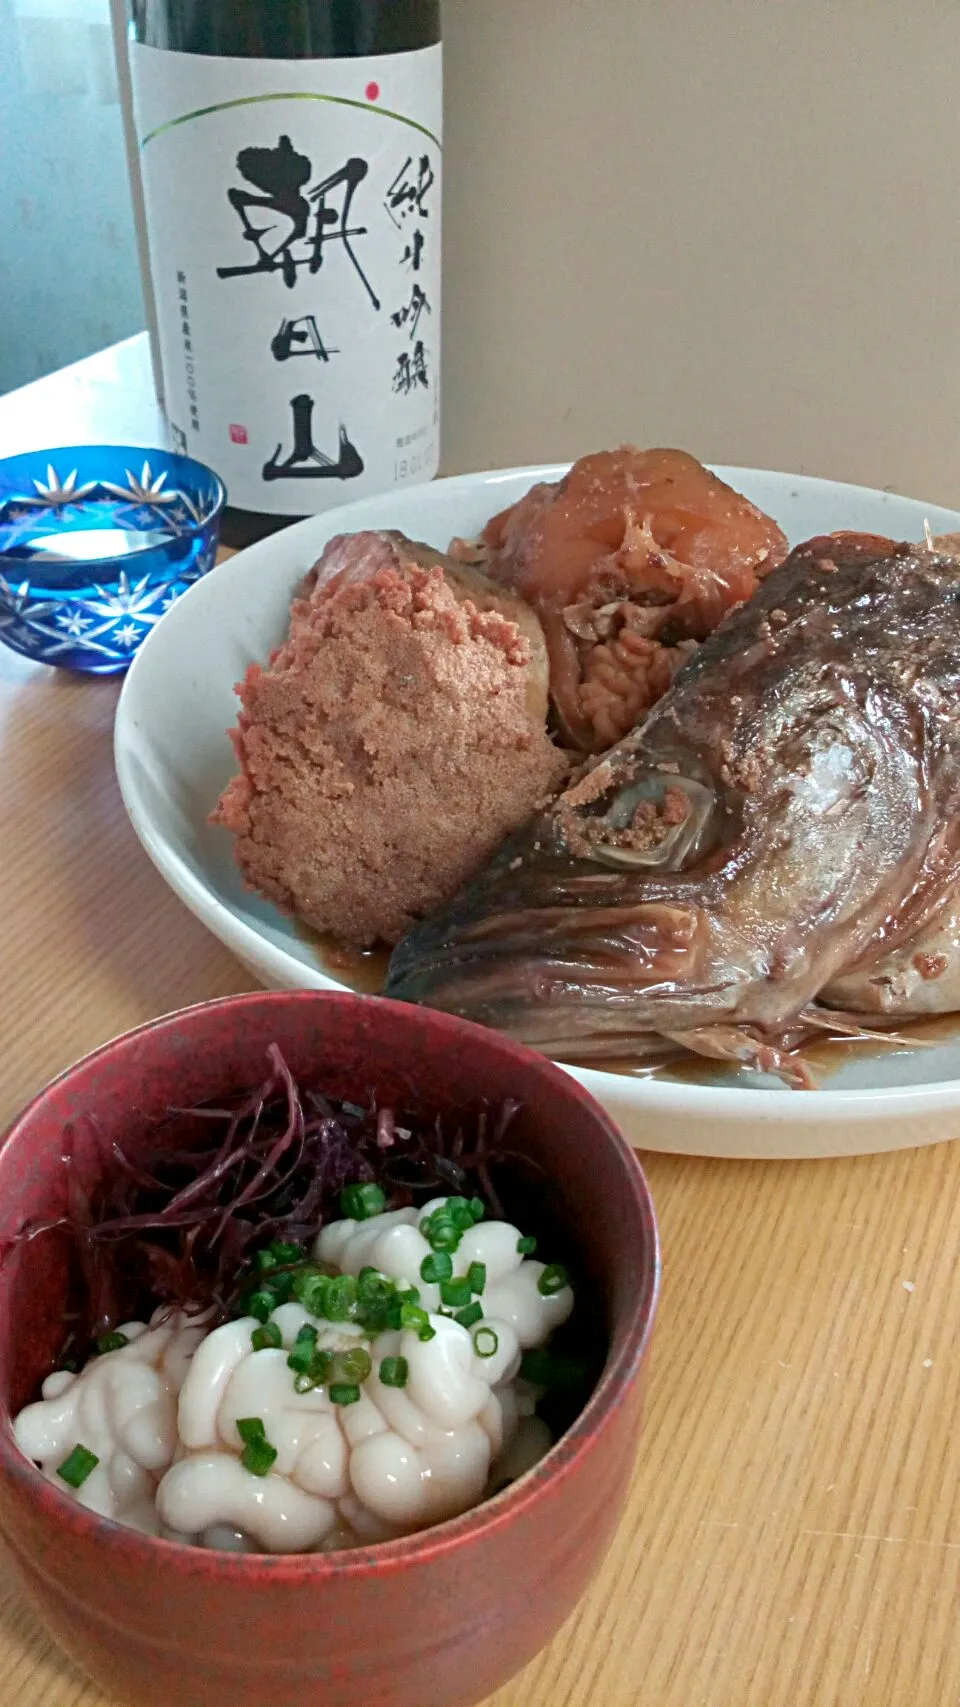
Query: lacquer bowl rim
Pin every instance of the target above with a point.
(621, 1372)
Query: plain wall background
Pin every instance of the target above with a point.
(726, 224)
(730, 225)
(69, 282)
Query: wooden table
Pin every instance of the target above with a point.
(792, 1537)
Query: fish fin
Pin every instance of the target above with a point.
(738, 1044)
(653, 943)
(849, 1028)
(944, 544)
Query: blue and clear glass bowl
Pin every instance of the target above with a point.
(96, 542)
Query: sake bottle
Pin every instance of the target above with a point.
(290, 160)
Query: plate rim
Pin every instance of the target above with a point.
(776, 1104)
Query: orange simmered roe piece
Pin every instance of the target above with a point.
(631, 560)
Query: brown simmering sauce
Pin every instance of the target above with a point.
(366, 972)
(361, 969)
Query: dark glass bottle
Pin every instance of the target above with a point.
(290, 155)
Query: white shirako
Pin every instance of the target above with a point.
(441, 1418)
(122, 1408)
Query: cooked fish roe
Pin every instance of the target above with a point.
(391, 744)
(631, 559)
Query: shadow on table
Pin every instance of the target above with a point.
(91, 932)
(28, 1652)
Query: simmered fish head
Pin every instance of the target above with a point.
(703, 882)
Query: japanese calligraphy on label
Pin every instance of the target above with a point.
(293, 219)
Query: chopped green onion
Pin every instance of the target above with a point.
(360, 1202)
(485, 1342)
(258, 1457)
(456, 1293)
(310, 1365)
(442, 1231)
(77, 1467)
(376, 1307)
(477, 1276)
(394, 1371)
(412, 1316)
(112, 1342)
(305, 1359)
(553, 1279)
(352, 1365)
(437, 1266)
(284, 1253)
(459, 1211)
(304, 1352)
(267, 1338)
(478, 1208)
(261, 1304)
(471, 1314)
(278, 1254)
(251, 1429)
(526, 1246)
(377, 1299)
(444, 1235)
(378, 1314)
(310, 1290)
(340, 1303)
(281, 1284)
(344, 1393)
(385, 1310)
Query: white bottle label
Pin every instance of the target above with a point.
(293, 218)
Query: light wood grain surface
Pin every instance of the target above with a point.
(792, 1537)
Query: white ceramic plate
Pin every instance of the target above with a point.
(173, 758)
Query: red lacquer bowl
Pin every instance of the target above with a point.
(437, 1620)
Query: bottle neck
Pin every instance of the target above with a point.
(287, 29)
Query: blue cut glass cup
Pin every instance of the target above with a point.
(96, 542)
